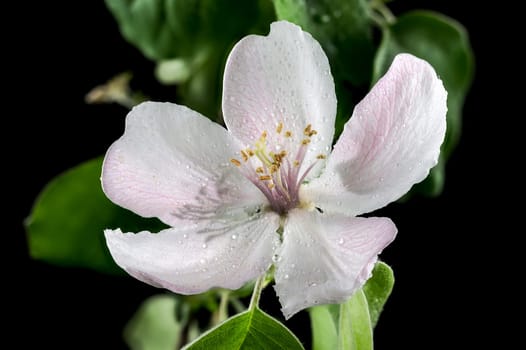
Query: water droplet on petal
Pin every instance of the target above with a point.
(341, 241)
(185, 236)
(313, 284)
(202, 261)
(234, 236)
(205, 245)
(286, 277)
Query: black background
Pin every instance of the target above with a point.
(442, 272)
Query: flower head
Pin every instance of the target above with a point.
(268, 190)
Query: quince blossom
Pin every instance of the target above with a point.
(269, 190)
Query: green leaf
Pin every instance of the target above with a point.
(67, 221)
(342, 27)
(344, 30)
(166, 29)
(156, 325)
(252, 329)
(343, 326)
(355, 330)
(378, 289)
(324, 327)
(444, 43)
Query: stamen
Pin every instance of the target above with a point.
(275, 173)
(244, 155)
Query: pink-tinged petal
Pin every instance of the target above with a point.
(391, 142)
(325, 258)
(283, 77)
(194, 259)
(174, 164)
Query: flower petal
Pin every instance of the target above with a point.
(196, 258)
(325, 258)
(174, 164)
(283, 77)
(391, 142)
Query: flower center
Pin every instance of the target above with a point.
(278, 174)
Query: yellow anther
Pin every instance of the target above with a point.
(279, 127)
(244, 155)
(235, 162)
(271, 185)
(305, 141)
(273, 168)
(283, 154)
(296, 163)
(250, 152)
(265, 177)
(321, 156)
(277, 158)
(260, 170)
(264, 135)
(309, 131)
(288, 133)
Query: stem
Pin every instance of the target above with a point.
(256, 294)
(222, 313)
(384, 16)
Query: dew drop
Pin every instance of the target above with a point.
(185, 236)
(205, 245)
(276, 258)
(286, 277)
(341, 241)
(313, 284)
(202, 261)
(234, 236)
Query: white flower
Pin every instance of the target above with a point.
(268, 190)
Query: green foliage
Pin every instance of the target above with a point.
(355, 330)
(349, 325)
(166, 29)
(252, 329)
(323, 320)
(378, 289)
(156, 325)
(444, 43)
(66, 224)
